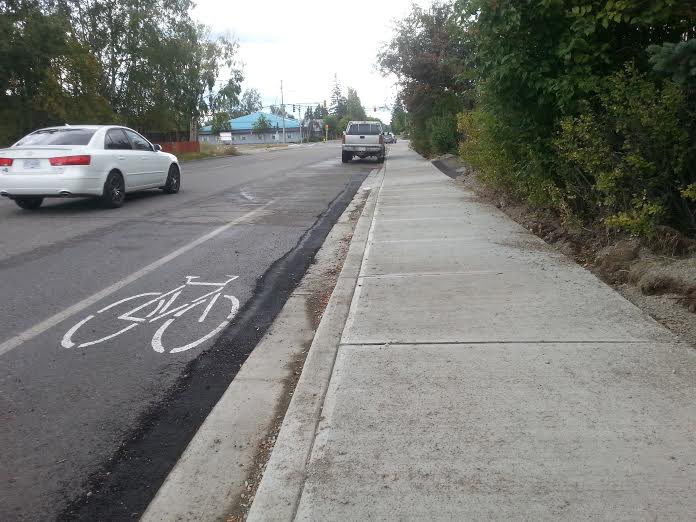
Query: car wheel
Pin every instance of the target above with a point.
(114, 193)
(346, 157)
(380, 159)
(173, 180)
(29, 203)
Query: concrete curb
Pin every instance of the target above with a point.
(212, 472)
(280, 490)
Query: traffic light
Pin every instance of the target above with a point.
(374, 109)
(325, 104)
(293, 108)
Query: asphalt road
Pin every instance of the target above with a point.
(98, 401)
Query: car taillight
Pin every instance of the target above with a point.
(63, 161)
(6, 162)
(381, 139)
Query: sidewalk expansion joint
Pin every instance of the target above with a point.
(418, 205)
(427, 274)
(421, 219)
(429, 240)
(530, 341)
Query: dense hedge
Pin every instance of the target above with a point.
(579, 117)
(584, 107)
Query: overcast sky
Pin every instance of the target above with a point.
(306, 42)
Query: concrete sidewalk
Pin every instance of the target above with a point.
(480, 374)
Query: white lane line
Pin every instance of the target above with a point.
(52, 321)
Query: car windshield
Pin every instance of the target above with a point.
(363, 129)
(66, 136)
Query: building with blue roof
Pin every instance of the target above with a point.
(242, 131)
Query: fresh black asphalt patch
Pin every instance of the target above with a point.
(127, 482)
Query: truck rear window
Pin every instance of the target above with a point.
(67, 136)
(364, 129)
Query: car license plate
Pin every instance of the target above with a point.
(32, 164)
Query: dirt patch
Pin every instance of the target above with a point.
(658, 276)
(325, 276)
(265, 447)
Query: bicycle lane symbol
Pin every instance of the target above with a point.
(163, 306)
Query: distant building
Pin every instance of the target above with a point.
(241, 131)
(314, 129)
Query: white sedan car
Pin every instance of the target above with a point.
(104, 161)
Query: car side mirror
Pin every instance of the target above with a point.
(158, 148)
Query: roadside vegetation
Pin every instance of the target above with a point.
(585, 109)
(209, 150)
(145, 65)
(342, 109)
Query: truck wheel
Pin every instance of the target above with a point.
(346, 157)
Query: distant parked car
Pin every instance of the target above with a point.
(102, 161)
(389, 138)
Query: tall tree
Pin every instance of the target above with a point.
(309, 115)
(204, 66)
(223, 105)
(320, 112)
(338, 101)
(261, 125)
(47, 76)
(354, 108)
(159, 68)
(251, 101)
(398, 117)
(430, 56)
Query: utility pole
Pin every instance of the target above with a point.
(301, 119)
(282, 108)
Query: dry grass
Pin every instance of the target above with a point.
(209, 150)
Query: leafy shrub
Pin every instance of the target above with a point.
(630, 158)
(443, 133)
(561, 122)
(513, 166)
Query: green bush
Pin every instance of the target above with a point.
(505, 163)
(443, 133)
(574, 114)
(627, 160)
(630, 158)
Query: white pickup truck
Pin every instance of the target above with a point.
(363, 139)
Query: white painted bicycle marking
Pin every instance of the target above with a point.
(157, 338)
(163, 305)
(54, 320)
